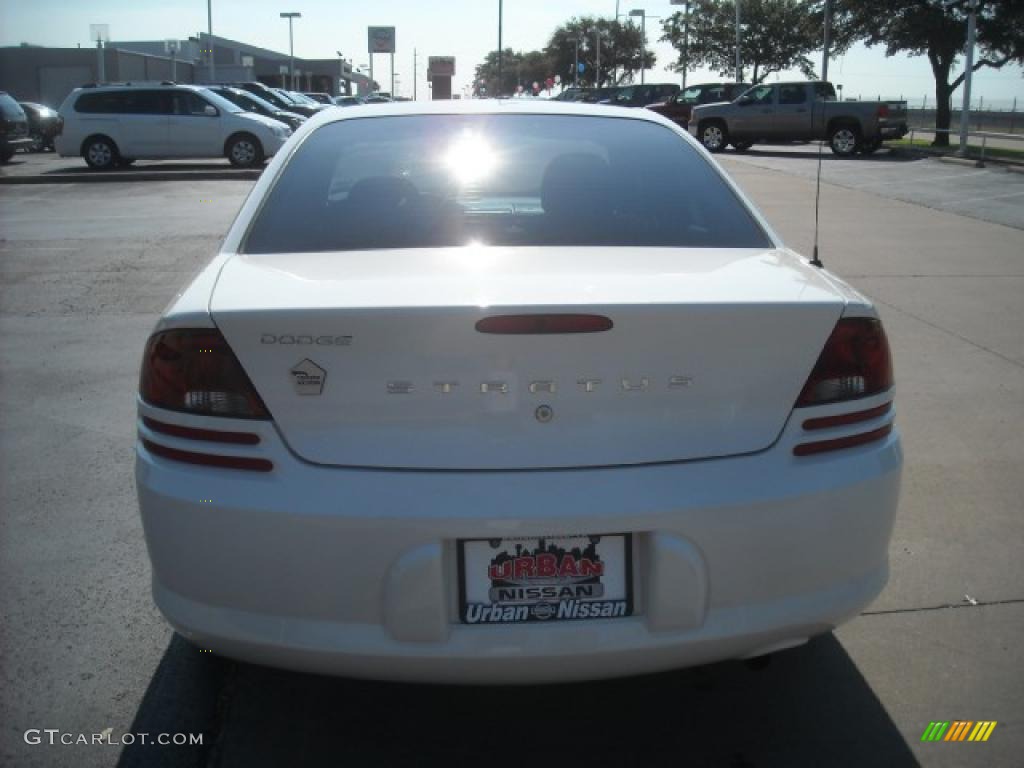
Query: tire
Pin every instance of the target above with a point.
(6, 156)
(844, 140)
(742, 146)
(38, 143)
(869, 147)
(244, 151)
(713, 135)
(100, 153)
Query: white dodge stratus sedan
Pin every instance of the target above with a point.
(511, 392)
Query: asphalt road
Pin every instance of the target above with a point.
(84, 270)
(992, 194)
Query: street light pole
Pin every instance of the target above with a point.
(576, 65)
(597, 71)
(209, 35)
(291, 45)
(828, 33)
(501, 10)
(414, 74)
(739, 75)
(686, 40)
(965, 111)
(643, 40)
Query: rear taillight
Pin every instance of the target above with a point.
(855, 363)
(883, 110)
(195, 371)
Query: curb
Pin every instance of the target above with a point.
(1017, 166)
(122, 176)
(964, 161)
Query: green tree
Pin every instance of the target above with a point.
(938, 29)
(621, 57)
(518, 68)
(776, 35)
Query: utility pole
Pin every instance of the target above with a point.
(392, 75)
(209, 35)
(414, 74)
(965, 112)
(597, 72)
(828, 32)
(739, 73)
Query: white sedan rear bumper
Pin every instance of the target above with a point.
(353, 572)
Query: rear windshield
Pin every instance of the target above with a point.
(423, 181)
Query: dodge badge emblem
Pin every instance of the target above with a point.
(308, 378)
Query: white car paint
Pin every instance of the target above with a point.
(344, 558)
(166, 136)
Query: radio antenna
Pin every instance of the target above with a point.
(815, 261)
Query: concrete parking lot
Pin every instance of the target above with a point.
(84, 271)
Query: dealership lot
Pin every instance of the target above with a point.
(993, 193)
(84, 269)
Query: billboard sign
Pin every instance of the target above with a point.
(441, 66)
(381, 39)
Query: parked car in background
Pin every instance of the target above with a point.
(558, 407)
(572, 94)
(277, 98)
(348, 101)
(378, 98)
(14, 133)
(115, 125)
(642, 95)
(323, 98)
(799, 111)
(301, 98)
(678, 109)
(298, 100)
(250, 102)
(43, 125)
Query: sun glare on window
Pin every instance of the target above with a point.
(470, 158)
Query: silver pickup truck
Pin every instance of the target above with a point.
(802, 111)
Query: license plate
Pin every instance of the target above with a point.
(548, 578)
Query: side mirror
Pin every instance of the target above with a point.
(210, 111)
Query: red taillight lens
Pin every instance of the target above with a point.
(883, 110)
(854, 363)
(195, 371)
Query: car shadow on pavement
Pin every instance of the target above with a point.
(80, 169)
(810, 706)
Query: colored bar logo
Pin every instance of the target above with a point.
(959, 730)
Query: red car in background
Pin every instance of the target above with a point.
(679, 107)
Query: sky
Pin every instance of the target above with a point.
(466, 29)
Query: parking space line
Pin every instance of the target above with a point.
(992, 197)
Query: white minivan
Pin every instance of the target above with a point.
(116, 124)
